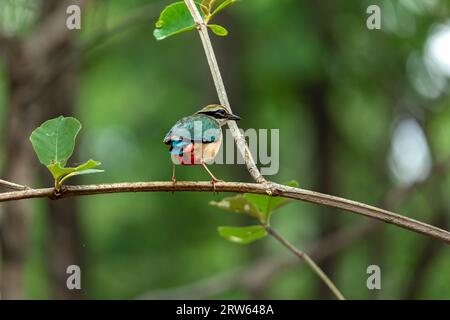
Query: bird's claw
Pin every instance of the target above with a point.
(213, 182)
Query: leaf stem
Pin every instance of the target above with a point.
(57, 185)
(310, 262)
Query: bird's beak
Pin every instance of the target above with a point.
(233, 117)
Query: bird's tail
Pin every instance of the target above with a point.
(177, 147)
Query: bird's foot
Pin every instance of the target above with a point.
(213, 182)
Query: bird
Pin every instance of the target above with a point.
(196, 139)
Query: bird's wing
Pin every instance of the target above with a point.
(211, 131)
(194, 128)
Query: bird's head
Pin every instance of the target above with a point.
(218, 112)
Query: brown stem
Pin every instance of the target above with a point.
(12, 185)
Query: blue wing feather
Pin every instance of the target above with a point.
(176, 135)
(176, 147)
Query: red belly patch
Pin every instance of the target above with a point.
(192, 155)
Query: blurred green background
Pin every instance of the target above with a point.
(362, 114)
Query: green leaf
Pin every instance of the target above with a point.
(218, 30)
(267, 204)
(175, 19)
(78, 173)
(58, 171)
(54, 140)
(237, 204)
(222, 6)
(255, 205)
(242, 235)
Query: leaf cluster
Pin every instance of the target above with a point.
(176, 18)
(257, 206)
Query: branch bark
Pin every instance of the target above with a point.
(12, 185)
(221, 92)
(273, 189)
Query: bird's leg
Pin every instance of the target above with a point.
(174, 178)
(214, 179)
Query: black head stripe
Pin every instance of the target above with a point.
(215, 114)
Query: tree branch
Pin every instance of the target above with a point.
(221, 92)
(12, 185)
(273, 189)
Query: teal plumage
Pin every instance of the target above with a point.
(197, 128)
(196, 139)
(194, 128)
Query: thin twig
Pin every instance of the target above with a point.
(221, 92)
(12, 185)
(310, 262)
(273, 189)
